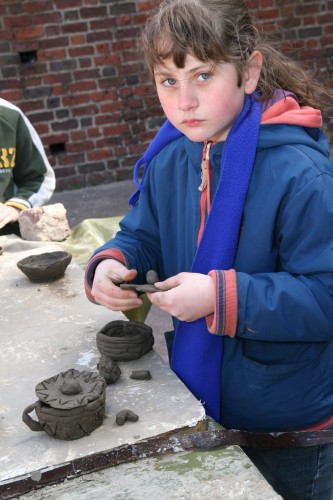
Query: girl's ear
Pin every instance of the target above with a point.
(252, 71)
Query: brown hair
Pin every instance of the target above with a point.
(223, 30)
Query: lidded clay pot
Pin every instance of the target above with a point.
(70, 405)
(125, 340)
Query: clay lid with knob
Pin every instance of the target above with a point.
(71, 389)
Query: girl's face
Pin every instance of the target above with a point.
(203, 100)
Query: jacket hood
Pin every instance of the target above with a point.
(285, 122)
(287, 110)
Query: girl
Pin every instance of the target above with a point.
(235, 213)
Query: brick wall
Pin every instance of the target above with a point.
(73, 67)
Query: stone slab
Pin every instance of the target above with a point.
(222, 474)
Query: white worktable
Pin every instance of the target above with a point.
(48, 328)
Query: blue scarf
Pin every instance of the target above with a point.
(196, 353)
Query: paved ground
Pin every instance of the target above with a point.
(110, 200)
(106, 200)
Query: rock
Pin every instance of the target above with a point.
(48, 223)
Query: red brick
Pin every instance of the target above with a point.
(305, 10)
(42, 129)
(67, 4)
(103, 48)
(78, 147)
(125, 20)
(14, 96)
(47, 18)
(86, 74)
(51, 54)
(117, 129)
(107, 60)
(90, 12)
(33, 81)
(146, 6)
(82, 86)
(103, 96)
(85, 63)
(112, 106)
(71, 159)
(52, 31)
(107, 119)
(268, 14)
(16, 21)
(55, 138)
(75, 28)
(98, 155)
(6, 34)
(78, 39)
(72, 101)
(85, 110)
(77, 135)
(121, 45)
(83, 50)
(40, 6)
(10, 84)
(28, 33)
(58, 81)
(93, 132)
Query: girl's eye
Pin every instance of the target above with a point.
(169, 82)
(203, 77)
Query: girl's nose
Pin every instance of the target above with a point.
(187, 98)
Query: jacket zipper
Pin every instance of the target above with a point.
(204, 187)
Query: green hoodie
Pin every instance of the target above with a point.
(26, 177)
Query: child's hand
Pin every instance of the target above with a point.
(8, 214)
(187, 296)
(105, 291)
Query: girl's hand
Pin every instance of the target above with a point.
(8, 214)
(187, 296)
(105, 291)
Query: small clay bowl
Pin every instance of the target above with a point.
(45, 266)
(125, 340)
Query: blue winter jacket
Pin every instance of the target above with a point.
(277, 370)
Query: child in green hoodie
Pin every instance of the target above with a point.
(26, 177)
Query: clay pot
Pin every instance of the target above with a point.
(125, 340)
(45, 267)
(70, 405)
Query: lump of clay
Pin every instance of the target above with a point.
(151, 278)
(70, 386)
(70, 405)
(45, 266)
(125, 415)
(125, 340)
(48, 223)
(140, 375)
(108, 369)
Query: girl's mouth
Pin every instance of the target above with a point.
(192, 123)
